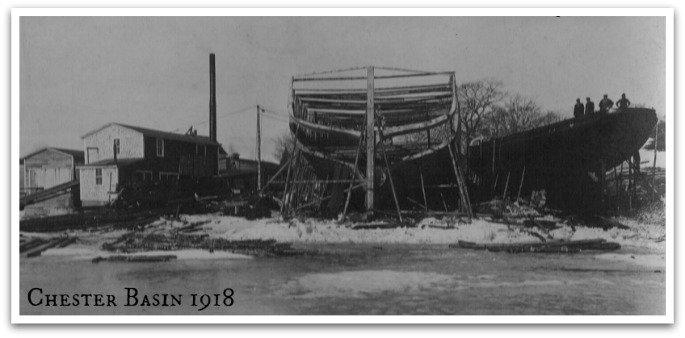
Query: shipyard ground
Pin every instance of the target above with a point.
(369, 271)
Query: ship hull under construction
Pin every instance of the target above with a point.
(409, 123)
(568, 159)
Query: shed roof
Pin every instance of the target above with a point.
(158, 133)
(111, 163)
(76, 154)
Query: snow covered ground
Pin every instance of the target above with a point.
(482, 231)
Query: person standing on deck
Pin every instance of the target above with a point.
(623, 103)
(589, 107)
(605, 104)
(578, 109)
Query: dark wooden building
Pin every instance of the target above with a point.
(242, 173)
(116, 154)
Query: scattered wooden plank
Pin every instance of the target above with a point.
(51, 243)
(543, 247)
(192, 226)
(31, 244)
(134, 258)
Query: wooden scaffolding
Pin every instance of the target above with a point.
(357, 133)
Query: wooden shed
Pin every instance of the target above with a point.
(49, 167)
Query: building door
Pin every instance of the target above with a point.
(51, 176)
(64, 175)
(92, 155)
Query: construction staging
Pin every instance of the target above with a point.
(369, 139)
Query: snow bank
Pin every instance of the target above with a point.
(428, 231)
(317, 231)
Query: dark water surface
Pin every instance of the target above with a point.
(362, 280)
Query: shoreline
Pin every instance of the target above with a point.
(643, 242)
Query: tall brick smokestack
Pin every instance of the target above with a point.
(212, 99)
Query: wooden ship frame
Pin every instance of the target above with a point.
(374, 139)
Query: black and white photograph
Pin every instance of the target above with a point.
(401, 168)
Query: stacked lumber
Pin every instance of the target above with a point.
(37, 246)
(134, 258)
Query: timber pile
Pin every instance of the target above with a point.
(89, 220)
(543, 247)
(121, 219)
(180, 240)
(131, 258)
(35, 247)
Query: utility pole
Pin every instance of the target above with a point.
(370, 139)
(259, 150)
(656, 143)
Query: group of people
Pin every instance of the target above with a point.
(604, 105)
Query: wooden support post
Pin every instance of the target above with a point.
(259, 151)
(423, 190)
(656, 143)
(461, 183)
(280, 170)
(494, 148)
(387, 165)
(618, 190)
(506, 186)
(630, 183)
(109, 192)
(354, 172)
(603, 180)
(286, 197)
(620, 182)
(523, 176)
(370, 139)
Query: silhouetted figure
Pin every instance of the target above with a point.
(578, 109)
(589, 107)
(605, 104)
(623, 103)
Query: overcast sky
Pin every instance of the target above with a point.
(79, 73)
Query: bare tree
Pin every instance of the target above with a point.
(549, 118)
(476, 99)
(518, 114)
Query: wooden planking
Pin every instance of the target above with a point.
(98, 193)
(48, 158)
(380, 77)
(360, 91)
(130, 143)
(370, 139)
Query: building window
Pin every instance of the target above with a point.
(160, 147)
(164, 176)
(117, 148)
(98, 176)
(144, 175)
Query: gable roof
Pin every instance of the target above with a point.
(159, 134)
(76, 154)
